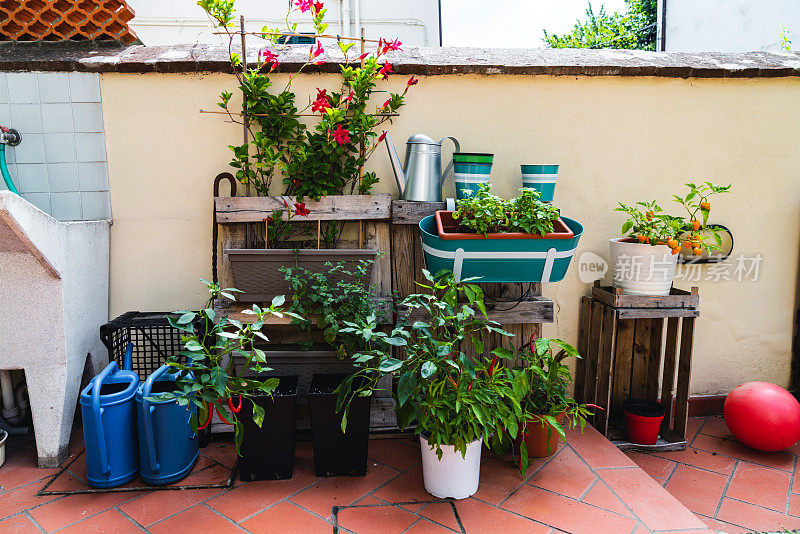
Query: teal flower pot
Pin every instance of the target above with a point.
(469, 177)
(472, 157)
(500, 260)
(542, 178)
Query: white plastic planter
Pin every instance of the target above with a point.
(642, 269)
(453, 476)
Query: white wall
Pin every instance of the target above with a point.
(414, 22)
(729, 25)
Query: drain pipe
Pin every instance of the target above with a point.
(357, 17)
(346, 28)
(10, 411)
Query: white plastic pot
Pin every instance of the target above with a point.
(642, 269)
(453, 476)
(3, 437)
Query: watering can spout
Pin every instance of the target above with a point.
(399, 174)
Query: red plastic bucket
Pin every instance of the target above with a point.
(642, 420)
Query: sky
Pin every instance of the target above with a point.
(512, 23)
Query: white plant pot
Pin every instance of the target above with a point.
(642, 269)
(453, 476)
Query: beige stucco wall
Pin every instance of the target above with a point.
(616, 139)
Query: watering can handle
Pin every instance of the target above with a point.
(449, 165)
(97, 413)
(147, 412)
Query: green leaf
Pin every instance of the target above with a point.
(396, 341)
(428, 369)
(194, 346)
(278, 301)
(187, 318)
(390, 364)
(258, 414)
(405, 387)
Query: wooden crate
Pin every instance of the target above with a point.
(637, 347)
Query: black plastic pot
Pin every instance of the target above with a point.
(268, 452)
(337, 453)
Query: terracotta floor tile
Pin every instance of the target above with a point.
(304, 453)
(18, 524)
(566, 514)
(340, 491)
(718, 525)
(74, 508)
(477, 516)
(715, 426)
(247, 499)
(699, 458)
(595, 449)
(755, 518)
(284, 518)
(657, 509)
(407, 487)
(108, 521)
(223, 452)
(734, 449)
(652, 465)
(386, 519)
(20, 467)
(441, 513)
(65, 482)
(698, 490)
(499, 478)
(759, 485)
(603, 497)
(796, 479)
(23, 498)
(693, 426)
(216, 474)
(566, 474)
(423, 526)
(156, 505)
(394, 453)
(794, 505)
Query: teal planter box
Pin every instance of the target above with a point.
(500, 260)
(542, 178)
(469, 177)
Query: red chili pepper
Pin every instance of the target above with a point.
(491, 366)
(219, 413)
(236, 409)
(469, 387)
(530, 343)
(210, 416)
(595, 406)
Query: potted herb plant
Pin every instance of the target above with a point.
(518, 240)
(458, 402)
(221, 370)
(313, 158)
(644, 260)
(540, 380)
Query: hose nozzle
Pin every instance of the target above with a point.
(10, 136)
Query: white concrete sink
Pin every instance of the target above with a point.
(53, 299)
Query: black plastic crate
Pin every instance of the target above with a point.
(154, 340)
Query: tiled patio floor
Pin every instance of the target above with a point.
(588, 486)
(731, 487)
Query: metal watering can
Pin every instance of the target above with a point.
(421, 177)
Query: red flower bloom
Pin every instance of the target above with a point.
(349, 97)
(300, 209)
(316, 53)
(341, 135)
(382, 136)
(318, 7)
(321, 103)
(386, 70)
(386, 104)
(362, 56)
(388, 46)
(303, 5)
(412, 81)
(394, 45)
(267, 56)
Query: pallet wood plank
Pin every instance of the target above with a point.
(605, 368)
(616, 297)
(333, 207)
(590, 378)
(235, 310)
(583, 344)
(377, 237)
(623, 356)
(668, 376)
(684, 376)
(403, 270)
(641, 344)
(654, 357)
(232, 236)
(536, 310)
(654, 313)
(410, 212)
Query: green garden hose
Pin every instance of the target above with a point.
(4, 170)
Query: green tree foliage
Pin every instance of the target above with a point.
(635, 29)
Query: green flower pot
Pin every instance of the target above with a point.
(472, 157)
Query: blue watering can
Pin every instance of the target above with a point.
(168, 447)
(109, 425)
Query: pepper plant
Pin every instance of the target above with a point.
(647, 222)
(220, 363)
(454, 398)
(483, 212)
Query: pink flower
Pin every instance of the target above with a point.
(386, 104)
(348, 98)
(267, 56)
(303, 5)
(382, 136)
(300, 209)
(318, 7)
(394, 45)
(316, 53)
(412, 81)
(362, 56)
(321, 103)
(386, 70)
(388, 46)
(341, 135)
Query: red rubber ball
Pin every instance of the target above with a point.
(763, 416)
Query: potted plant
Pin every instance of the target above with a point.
(518, 240)
(329, 300)
(222, 371)
(540, 380)
(317, 158)
(457, 402)
(644, 261)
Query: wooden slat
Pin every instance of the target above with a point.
(592, 354)
(605, 368)
(623, 363)
(654, 360)
(536, 310)
(333, 207)
(377, 237)
(403, 269)
(668, 376)
(409, 212)
(641, 344)
(232, 236)
(419, 259)
(616, 297)
(684, 375)
(583, 344)
(653, 313)
(234, 310)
